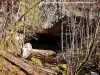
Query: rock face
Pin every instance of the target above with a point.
(52, 12)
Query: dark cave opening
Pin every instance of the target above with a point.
(44, 41)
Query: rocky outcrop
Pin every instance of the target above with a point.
(52, 13)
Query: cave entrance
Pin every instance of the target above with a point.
(64, 35)
(44, 41)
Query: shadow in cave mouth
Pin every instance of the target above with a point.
(44, 41)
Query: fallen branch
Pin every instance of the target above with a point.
(26, 65)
